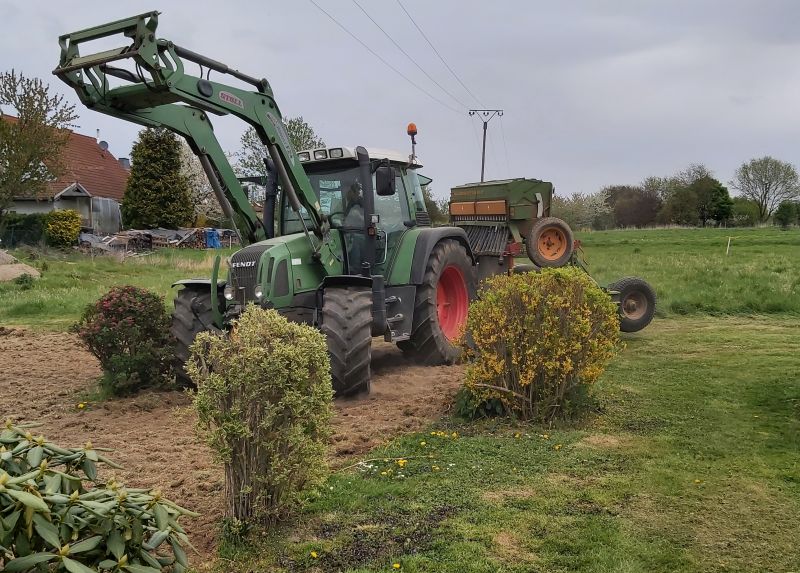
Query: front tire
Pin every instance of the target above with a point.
(192, 315)
(637, 303)
(441, 305)
(347, 325)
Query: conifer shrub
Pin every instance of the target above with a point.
(536, 342)
(127, 329)
(157, 193)
(263, 400)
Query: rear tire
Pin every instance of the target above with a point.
(550, 242)
(637, 303)
(192, 315)
(448, 264)
(347, 325)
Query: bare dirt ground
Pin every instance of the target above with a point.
(43, 377)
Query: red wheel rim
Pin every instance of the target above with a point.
(452, 302)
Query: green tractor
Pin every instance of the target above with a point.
(345, 242)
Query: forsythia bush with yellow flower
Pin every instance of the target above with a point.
(63, 227)
(535, 342)
(264, 401)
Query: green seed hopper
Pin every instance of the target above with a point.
(500, 217)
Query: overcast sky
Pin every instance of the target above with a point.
(594, 93)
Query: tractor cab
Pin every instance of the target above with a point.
(397, 204)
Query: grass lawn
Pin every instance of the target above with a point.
(690, 465)
(71, 281)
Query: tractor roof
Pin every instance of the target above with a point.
(321, 154)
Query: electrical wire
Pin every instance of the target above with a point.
(387, 64)
(407, 55)
(469, 91)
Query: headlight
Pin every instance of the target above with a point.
(320, 154)
(258, 292)
(228, 292)
(336, 153)
(304, 156)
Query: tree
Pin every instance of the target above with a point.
(584, 210)
(250, 158)
(633, 206)
(787, 213)
(204, 201)
(712, 200)
(158, 192)
(680, 208)
(768, 182)
(31, 148)
(437, 210)
(744, 212)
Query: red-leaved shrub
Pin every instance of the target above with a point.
(128, 331)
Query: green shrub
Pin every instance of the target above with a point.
(128, 331)
(63, 227)
(24, 281)
(18, 229)
(537, 341)
(264, 403)
(51, 521)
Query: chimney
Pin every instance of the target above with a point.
(125, 162)
(98, 136)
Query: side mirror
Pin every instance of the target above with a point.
(385, 181)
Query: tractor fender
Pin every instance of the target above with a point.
(427, 240)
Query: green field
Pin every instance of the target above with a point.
(688, 268)
(71, 281)
(690, 462)
(692, 274)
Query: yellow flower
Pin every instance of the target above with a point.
(384, 473)
(454, 435)
(698, 481)
(422, 443)
(402, 463)
(517, 435)
(396, 565)
(557, 447)
(435, 468)
(81, 406)
(314, 555)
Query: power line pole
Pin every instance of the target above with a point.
(485, 116)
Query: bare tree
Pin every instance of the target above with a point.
(31, 146)
(768, 182)
(250, 158)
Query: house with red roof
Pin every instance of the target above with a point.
(93, 184)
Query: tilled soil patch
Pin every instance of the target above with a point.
(43, 377)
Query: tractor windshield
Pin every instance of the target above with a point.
(340, 198)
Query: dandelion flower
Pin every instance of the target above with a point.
(557, 447)
(395, 565)
(81, 406)
(698, 481)
(517, 435)
(422, 443)
(384, 473)
(314, 555)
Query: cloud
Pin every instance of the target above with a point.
(594, 92)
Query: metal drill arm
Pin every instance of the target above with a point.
(161, 94)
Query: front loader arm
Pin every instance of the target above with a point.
(159, 93)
